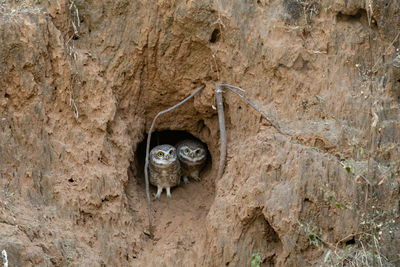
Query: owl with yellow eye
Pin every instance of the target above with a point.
(192, 155)
(165, 169)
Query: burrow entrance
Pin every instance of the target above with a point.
(158, 138)
(179, 221)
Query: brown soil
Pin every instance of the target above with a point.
(81, 81)
(179, 224)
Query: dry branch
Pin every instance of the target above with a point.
(248, 101)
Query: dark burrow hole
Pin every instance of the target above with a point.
(351, 241)
(258, 235)
(361, 16)
(71, 180)
(215, 35)
(6, 95)
(158, 138)
(270, 234)
(293, 8)
(343, 17)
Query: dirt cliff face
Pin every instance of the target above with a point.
(81, 81)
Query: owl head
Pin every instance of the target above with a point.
(163, 155)
(191, 151)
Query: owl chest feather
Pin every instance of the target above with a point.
(165, 176)
(188, 168)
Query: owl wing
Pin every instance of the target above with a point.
(155, 175)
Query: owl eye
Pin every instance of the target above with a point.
(198, 152)
(160, 154)
(171, 152)
(187, 150)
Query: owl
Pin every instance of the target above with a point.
(192, 155)
(165, 169)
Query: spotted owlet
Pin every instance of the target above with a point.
(192, 155)
(165, 170)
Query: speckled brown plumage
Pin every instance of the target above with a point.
(164, 167)
(192, 155)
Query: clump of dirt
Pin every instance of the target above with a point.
(81, 81)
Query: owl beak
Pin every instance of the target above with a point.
(167, 157)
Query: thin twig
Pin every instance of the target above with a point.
(385, 53)
(378, 254)
(365, 253)
(146, 174)
(346, 237)
(248, 101)
(73, 105)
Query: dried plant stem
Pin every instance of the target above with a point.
(73, 105)
(146, 166)
(373, 70)
(76, 31)
(248, 101)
